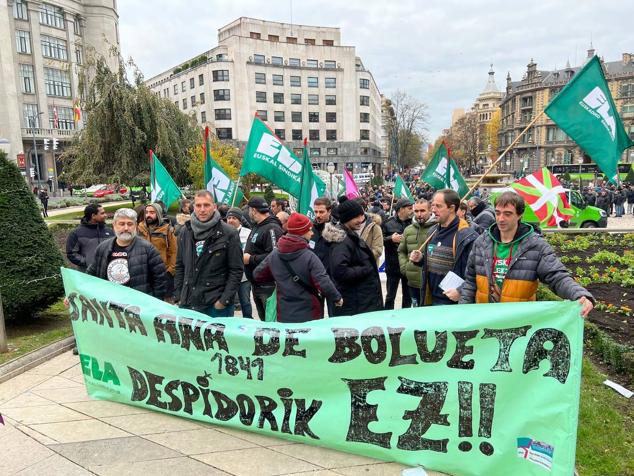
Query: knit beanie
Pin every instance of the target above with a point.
(235, 212)
(298, 224)
(348, 210)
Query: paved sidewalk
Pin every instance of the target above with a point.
(52, 427)
(80, 208)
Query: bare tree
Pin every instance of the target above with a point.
(463, 138)
(406, 120)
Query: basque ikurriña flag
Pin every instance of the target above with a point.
(546, 196)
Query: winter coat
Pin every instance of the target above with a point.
(261, 241)
(619, 198)
(391, 226)
(213, 276)
(320, 246)
(164, 240)
(83, 241)
(413, 237)
(483, 217)
(373, 235)
(146, 268)
(630, 196)
(294, 302)
(603, 202)
(354, 270)
(181, 219)
(534, 260)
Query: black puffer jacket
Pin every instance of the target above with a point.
(83, 241)
(354, 271)
(213, 276)
(320, 246)
(147, 270)
(261, 242)
(483, 217)
(390, 226)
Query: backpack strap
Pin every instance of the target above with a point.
(295, 278)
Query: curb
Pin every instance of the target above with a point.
(26, 362)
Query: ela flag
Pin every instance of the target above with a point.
(585, 110)
(308, 192)
(217, 181)
(401, 190)
(163, 186)
(352, 191)
(546, 196)
(442, 172)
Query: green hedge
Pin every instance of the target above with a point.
(29, 258)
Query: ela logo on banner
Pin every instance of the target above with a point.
(597, 104)
(272, 147)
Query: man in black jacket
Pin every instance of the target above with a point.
(322, 207)
(83, 240)
(393, 229)
(483, 214)
(129, 260)
(209, 261)
(263, 238)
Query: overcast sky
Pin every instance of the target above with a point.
(437, 51)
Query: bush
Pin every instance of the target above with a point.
(29, 259)
(269, 194)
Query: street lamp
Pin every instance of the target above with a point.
(37, 159)
(330, 168)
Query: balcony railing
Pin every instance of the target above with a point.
(47, 133)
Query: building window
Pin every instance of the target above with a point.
(176, 103)
(555, 134)
(260, 78)
(365, 117)
(20, 11)
(28, 78)
(281, 134)
(296, 134)
(220, 75)
(255, 35)
(262, 115)
(331, 82)
(329, 64)
(296, 116)
(201, 80)
(331, 134)
(527, 101)
(278, 98)
(313, 134)
(184, 103)
(52, 16)
(627, 90)
(176, 89)
(328, 42)
(331, 117)
(316, 151)
(313, 117)
(258, 59)
(331, 100)
(309, 41)
(298, 152)
(278, 80)
(57, 82)
(364, 134)
(627, 108)
(65, 118)
(193, 100)
(312, 63)
(313, 82)
(313, 99)
(296, 98)
(331, 151)
(166, 92)
(23, 42)
(222, 95)
(278, 116)
(79, 56)
(77, 25)
(222, 114)
(224, 133)
(260, 96)
(31, 116)
(364, 151)
(364, 83)
(364, 100)
(296, 81)
(203, 116)
(274, 38)
(202, 98)
(192, 83)
(54, 48)
(183, 86)
(277, 60)
(291, 39)
(294, 62)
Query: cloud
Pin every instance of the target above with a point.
(438, 50)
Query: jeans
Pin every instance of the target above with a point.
(211, 311)
(244, 296)
(392, 287)
(630, 208)
(415, 296)
(260, 295)
(620, 210)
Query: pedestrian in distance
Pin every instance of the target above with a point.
(43, 196)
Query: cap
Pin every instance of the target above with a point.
(403, 202)
(259, 204)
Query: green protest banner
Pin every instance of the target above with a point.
(487, 389)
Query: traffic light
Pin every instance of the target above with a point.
(32, 172)
(45, 144)
(55, 143)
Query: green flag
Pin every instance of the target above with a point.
(442, 172)
(585, 110)
(217, 181)
(309, 190)
(401, 190)
(163, 186)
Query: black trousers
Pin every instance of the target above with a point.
(392, 287)
(260, 295)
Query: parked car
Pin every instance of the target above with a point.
(110, 190)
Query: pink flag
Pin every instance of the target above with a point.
(352, 191)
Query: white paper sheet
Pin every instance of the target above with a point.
(451, 281)
(622, 390)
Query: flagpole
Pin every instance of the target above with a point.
(530, 124)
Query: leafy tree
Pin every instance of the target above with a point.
(491, 140)
(29, 259)
(225, 154)
(269, 194)
(124, 121)
(463, 140)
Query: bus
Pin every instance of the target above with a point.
(585, 171)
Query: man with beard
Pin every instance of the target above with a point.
(322, 207)
(352, 264)
(158, 231)
(127, 260)
(393, 229)
(413, 238)
(83, 241)
(209, 262)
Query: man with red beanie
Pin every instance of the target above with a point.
(299, 274)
